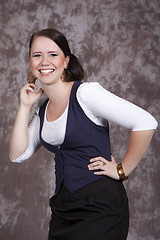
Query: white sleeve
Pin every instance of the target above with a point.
(34, 140)
(97, 102)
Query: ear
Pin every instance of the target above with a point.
(66, 62)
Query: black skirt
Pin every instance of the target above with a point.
(98, 211)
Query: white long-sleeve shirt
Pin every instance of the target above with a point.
(99, 105)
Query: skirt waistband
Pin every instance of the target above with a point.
(96, 186)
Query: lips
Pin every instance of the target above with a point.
(46, 71)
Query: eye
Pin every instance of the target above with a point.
(36, 55)
(53, 54)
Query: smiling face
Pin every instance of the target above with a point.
(47, 60)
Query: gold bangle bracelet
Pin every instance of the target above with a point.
(121, 172)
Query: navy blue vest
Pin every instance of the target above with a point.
(83, 140)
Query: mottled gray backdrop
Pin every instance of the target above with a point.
(117, 42)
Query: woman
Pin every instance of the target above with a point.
(90, 201)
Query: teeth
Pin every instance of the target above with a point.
(46, 71)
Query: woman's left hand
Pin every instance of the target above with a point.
(108, 168)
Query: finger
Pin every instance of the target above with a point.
(97, 159)
(40, 92)
(94, 168)
(28, 88)
(32, 85)
(100, 173)
(96, 165)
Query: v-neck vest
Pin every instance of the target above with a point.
(83, 140)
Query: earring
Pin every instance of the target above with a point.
(63, 76)
(31, 78)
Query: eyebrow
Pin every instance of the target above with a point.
(36, 52)
(52, 52)
(48, 52)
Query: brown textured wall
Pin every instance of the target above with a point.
(118, 44)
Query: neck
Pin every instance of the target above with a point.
(58, 91)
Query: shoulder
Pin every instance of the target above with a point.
(89, 86)
(88, 90)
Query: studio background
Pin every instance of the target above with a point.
(118, 44)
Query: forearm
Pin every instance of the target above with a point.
(19, 135)
(137, 146)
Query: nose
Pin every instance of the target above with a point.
(45, 61)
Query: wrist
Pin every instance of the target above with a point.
(25, 108)
(121, 172)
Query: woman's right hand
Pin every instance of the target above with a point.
(28, 96)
